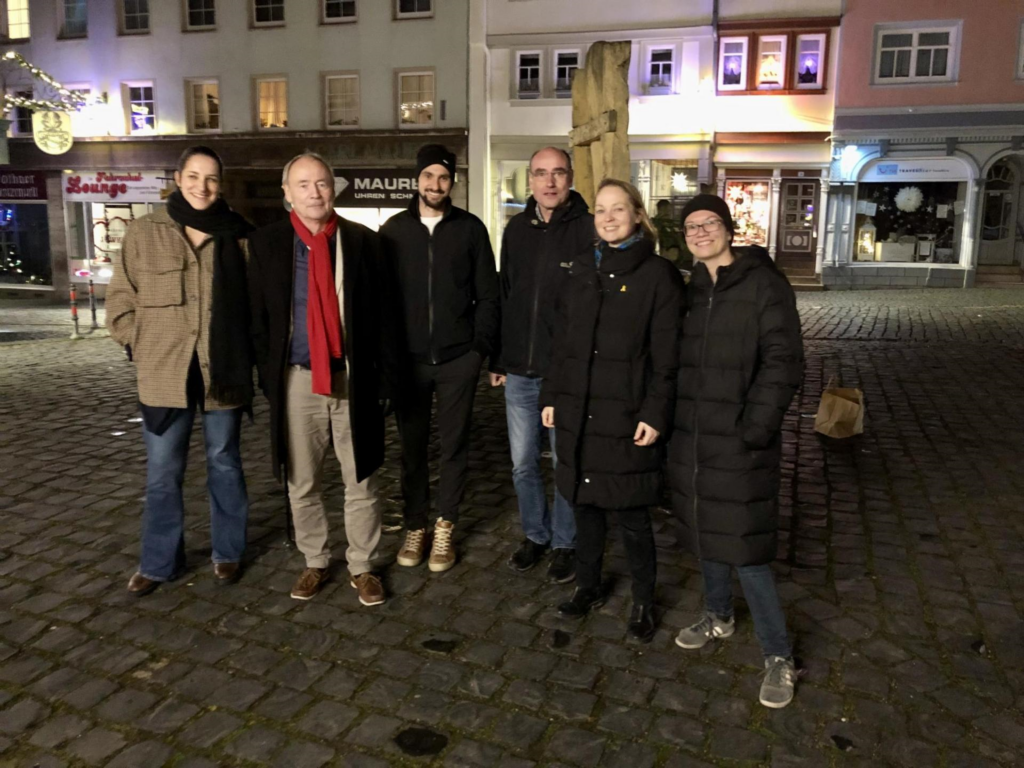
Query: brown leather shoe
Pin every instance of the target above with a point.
(226, 573)
(139, 585)
(371, 591)
(309, 583)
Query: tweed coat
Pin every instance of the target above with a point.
(159, 303)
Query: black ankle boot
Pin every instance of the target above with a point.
(581, 602)
(641, 623)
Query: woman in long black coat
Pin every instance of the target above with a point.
(609, 394)
(741, 361)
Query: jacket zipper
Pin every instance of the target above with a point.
(430, 297)
(696, 422)
(533, 315)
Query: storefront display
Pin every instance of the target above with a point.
(24, 230)
(909, 222)
(750, 204)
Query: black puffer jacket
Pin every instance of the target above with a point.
(741, 361)
(535, 256)
(613, 366)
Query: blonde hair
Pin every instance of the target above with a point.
(637, 200)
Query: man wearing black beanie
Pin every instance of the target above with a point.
(449, 295)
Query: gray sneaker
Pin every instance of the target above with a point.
(779, 682)
(708, 628)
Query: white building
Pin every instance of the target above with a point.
(363, 82)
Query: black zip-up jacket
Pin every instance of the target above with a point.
(535, 260)
(740, 363)
(447, 283)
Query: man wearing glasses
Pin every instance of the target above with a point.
(537, 249)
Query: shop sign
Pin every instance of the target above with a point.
(104, 186)
(374, 188)
(925, 169)
(52, 132)
(15, 186)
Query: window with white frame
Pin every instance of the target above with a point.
(567, 64)
(732, 63)
(271, 103)
(338, 11)
(771, 62)
(341, 101)
(140, 108)
(415, 99)
(809, 62)
(203, 105)
(413, 9)
(267, 13)
(528, 74)
(74, 18)
(15, 19)
(908, 55)
(21, 117)
(659, 70)
(200, 14)
(134, 17)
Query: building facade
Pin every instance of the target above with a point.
(363, 82)
(927, 146)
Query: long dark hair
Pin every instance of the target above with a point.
(199, 149)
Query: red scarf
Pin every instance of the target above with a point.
(323, 324)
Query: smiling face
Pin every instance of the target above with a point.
(704, 244)
(199, 181)
(309, 189)
(550, 179)
(434, 185)
(614, 216)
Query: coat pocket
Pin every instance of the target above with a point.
(162, 289)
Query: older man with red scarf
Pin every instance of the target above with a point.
(328, 363)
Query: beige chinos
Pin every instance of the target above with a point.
(313, 422)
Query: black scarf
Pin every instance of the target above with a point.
(231, 357)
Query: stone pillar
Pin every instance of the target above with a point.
(819, 251)
(773, 214)
(971, 227)
(643, 181)
(57, 223)
(479, 154)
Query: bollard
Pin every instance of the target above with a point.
(92, 304)
(74, 313)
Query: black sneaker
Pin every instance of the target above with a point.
(581, 602)
(527, 556)
(563, 566)
(641, 623)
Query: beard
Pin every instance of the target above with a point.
(438, 206)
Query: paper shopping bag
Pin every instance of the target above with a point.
(840, 412)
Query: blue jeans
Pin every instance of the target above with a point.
(542, 524)
(758, 584)
(163, 520)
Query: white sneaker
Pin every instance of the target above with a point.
(779, 682)
(708, 628)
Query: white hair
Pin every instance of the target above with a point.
(310, 154)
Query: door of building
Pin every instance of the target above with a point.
(999, 214)
(798, 219)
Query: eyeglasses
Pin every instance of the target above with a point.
(711, 225)
(559, 174)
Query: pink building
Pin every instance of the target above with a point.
(928, 145)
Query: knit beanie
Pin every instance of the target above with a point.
(435, 154)
(712, 203)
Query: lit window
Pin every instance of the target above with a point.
(272, 100)
(915, 55)
(529, 75)
(661, 70)
(268, 12)
(339, 10)
(415, 99)
(204, 105)
(809, 61)
(141, 109)
(732, 64)
(200, 14)
(410, 9)
(75, 18)
(341, 97)
(567, 63)
(771, 62)
(16, 20)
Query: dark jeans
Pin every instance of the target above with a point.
(163, 520)
(455, 384)
(637, 538)
(758, 584)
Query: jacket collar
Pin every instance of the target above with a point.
(574, 207)
(414, 207)
(621, 260)
(748, 259)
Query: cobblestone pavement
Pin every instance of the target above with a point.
(899, 573)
